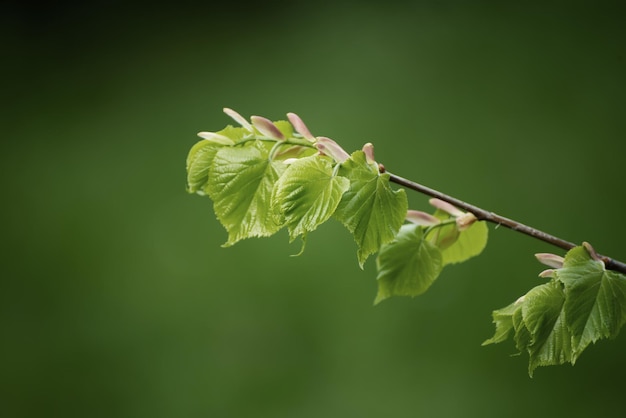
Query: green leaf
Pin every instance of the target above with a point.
(458, 246)
(444, 234)
(503, 319)
(199, 160)
(370, 209)
(201, 156)
(240, 184)
(236, 133)
(522, 336)
(284, 127)
(596, 299)
(539, 323)
(470, 243)
(408, 265)
(307, 194)
(544, 319)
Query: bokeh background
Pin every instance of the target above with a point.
(117, 299)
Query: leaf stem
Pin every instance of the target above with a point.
(484, 215)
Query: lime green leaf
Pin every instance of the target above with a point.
(236, 133)
(544, 318)
(199, 160)
(596, 299)
(201, 156)
(370, 209)
(307, 194)
(284, 127)
(470, 243)
(240, 184)
(408, 265)
(445, 234)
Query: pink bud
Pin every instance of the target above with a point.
(421, 218)
(546, 274)
(368, 149)
(300, 127)
(592, 252)
(329, 147)
(446, 207)
(551, 260)
(238, 118)
(216, 138)
(465, 221)
(267, 127)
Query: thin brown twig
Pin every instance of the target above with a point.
(488, 216)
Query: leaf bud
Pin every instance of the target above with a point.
(329, 147)
(546, 274)
(465, 221)
(267, 127)
(592, 252)
(216, 138)
(550, 260)
(300, 127)
(368, 149)
(238, 118)
(446, 207)
(421, 218)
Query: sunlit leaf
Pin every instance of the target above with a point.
(307, 194)
(240, 184)
(370, 209)
(469, 243)
(458, 246)
(236, 133)
(443, 235)
(199, 160)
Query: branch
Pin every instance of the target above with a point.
(485, 215)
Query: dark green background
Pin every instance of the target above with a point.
(117, 300)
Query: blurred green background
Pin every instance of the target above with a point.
(117, 300)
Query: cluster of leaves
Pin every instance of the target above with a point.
(554, 322)
(264, 176)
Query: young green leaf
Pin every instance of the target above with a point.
(539, 324)
(444, 234)
(201, 155)
(307, 194)
(555, 322)
(503, 319)
(240, 184)
(370, 209)
(469, 243)
(544, 319)
(199, 160)
(236, 133)
(408, 265)
(596, 299)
